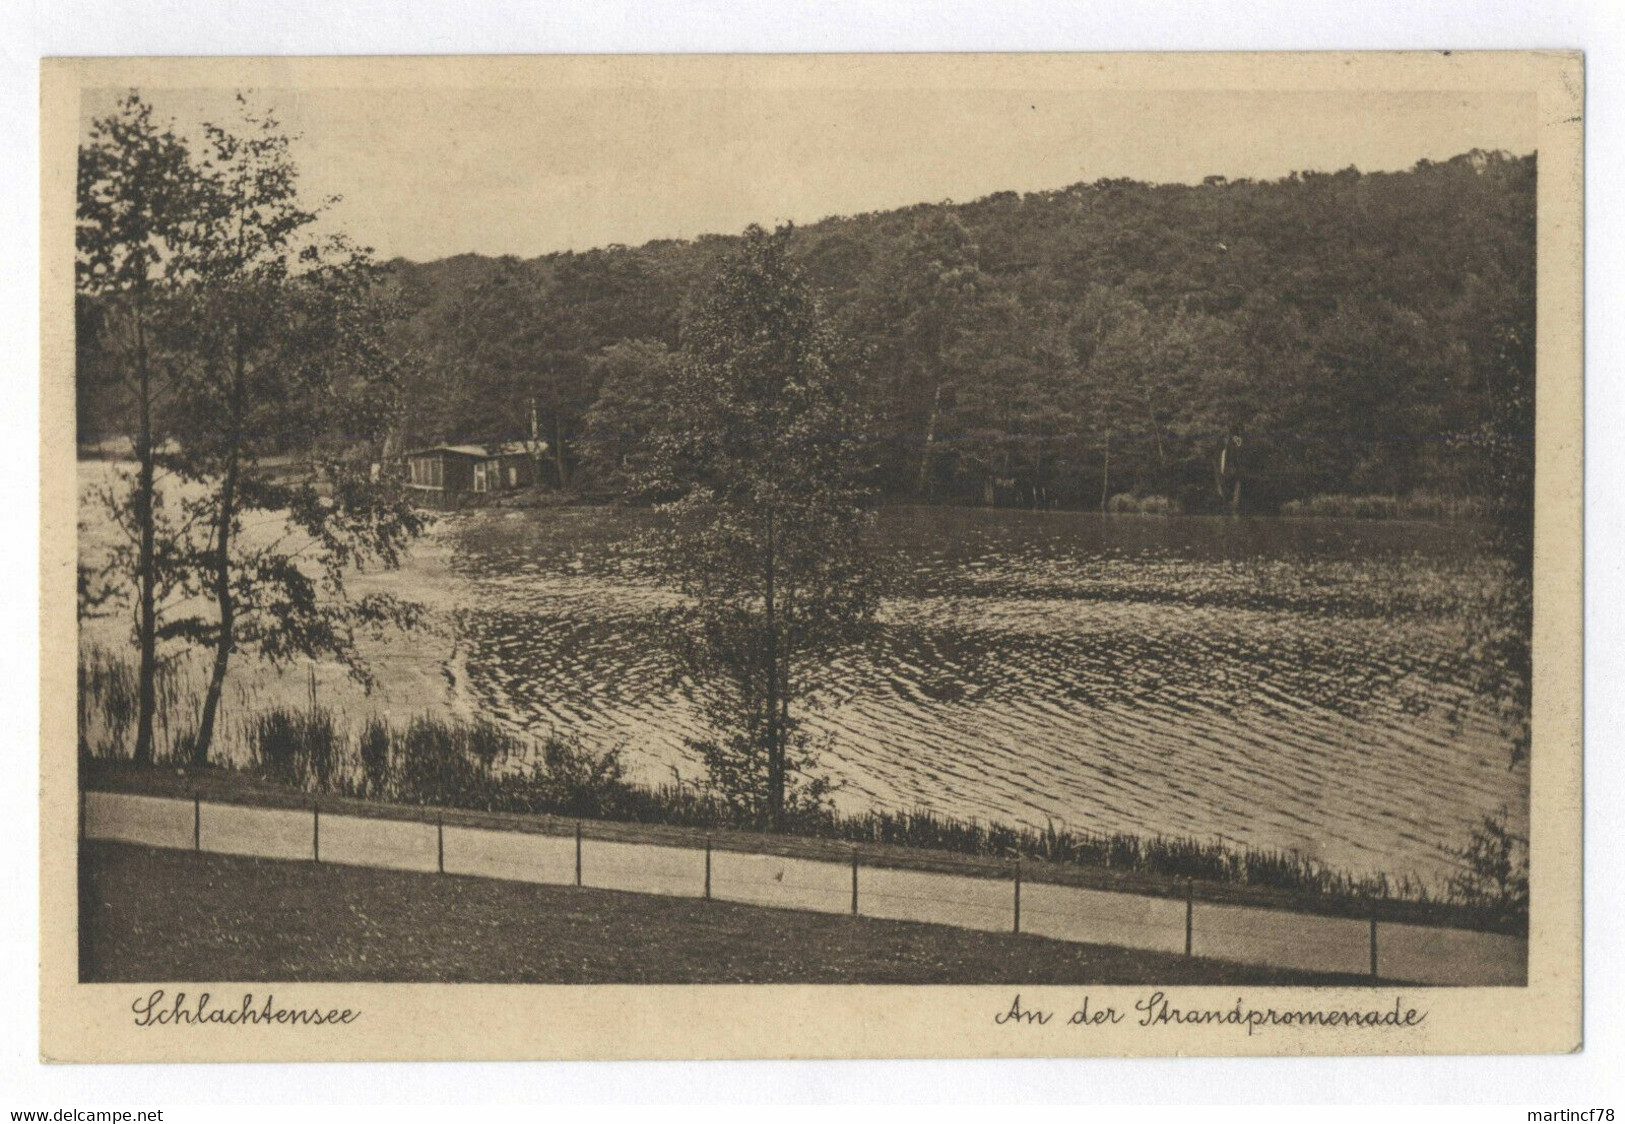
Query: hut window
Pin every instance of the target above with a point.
(426, 472)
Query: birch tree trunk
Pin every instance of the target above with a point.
(146, 563)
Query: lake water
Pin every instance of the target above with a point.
(1284, 683)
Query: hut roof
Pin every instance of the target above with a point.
(495, 449)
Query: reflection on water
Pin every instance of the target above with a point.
(1286, 683)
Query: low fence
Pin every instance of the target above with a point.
(1379, 950)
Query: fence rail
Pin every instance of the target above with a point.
(1380, 950)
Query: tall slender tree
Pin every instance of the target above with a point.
(138, 199)
(767, 528)
(1500, 639)
(288, 330)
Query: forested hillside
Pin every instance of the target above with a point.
(1235, 343)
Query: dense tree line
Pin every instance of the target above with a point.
(1228, 344)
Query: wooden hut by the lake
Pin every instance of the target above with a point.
(455, 475)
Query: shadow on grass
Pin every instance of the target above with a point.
(153, 916)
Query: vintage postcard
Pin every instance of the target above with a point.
(811, 556)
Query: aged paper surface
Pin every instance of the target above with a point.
(102, 1021)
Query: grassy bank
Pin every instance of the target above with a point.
(152, 915)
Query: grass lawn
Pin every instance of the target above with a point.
(152, 915)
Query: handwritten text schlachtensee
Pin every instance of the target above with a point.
(1156, 1010)
(157, 1010)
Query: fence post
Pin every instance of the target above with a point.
(707, 868)
(440, 842)
(197, 821)
(1016, 927)
(578, 852)
(854, 881)
(316, 831)
(1373, 942)
(1190, 909)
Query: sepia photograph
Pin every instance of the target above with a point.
(719, 522)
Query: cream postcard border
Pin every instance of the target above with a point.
(94, 1022)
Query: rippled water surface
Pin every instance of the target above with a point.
(1287, 683)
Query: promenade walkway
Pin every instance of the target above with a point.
(1248, 934)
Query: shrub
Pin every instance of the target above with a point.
(578, 782)
(461, 764)
(486, 742)
(1418, 505)
(109, 699)
(376, 750)
(324, 748)
(302, 748)
(437, 768)
(1494, 874)
(1127, 503)
(276, 736)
